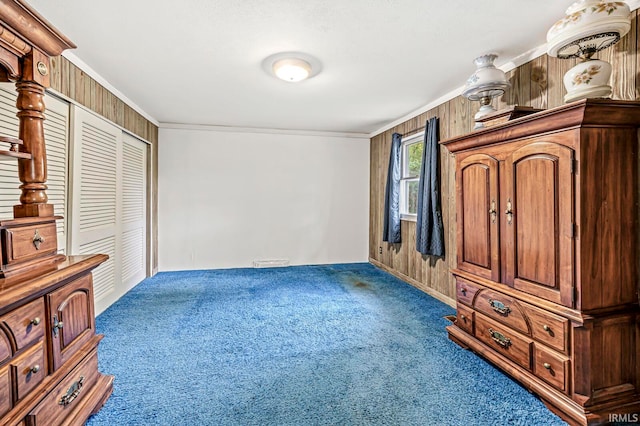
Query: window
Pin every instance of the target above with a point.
(411, 162)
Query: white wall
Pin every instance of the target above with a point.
(229, 198)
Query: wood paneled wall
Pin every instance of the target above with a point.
(537, 83)
(75, 84)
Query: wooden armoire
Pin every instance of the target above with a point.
(48, 344)
(547, 255)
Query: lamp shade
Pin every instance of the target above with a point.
(484, 84)
(588, 27)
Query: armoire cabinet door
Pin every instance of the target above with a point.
(538, 220)
(478, 216)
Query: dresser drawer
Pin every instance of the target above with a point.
(502, 308)
(465, 291)
(503, 340)
(464, 318)
(26, 323)
(5, 390)
(29, 369)
(551, 367)
(551, 329)
(67, 395)
(29, 242)
(5, 347)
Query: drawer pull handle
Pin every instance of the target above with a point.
(57, 325)
(72, 392)
(500, 338)
(35, 321)
(34, 369)
(499, 307)
(37, 240)
(547, 365)
(463, 291)
(463, 318)
(546, 328)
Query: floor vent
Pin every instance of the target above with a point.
(276, 263)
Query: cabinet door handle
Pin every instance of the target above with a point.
(57, 325)
(509, 212)
(493, 212)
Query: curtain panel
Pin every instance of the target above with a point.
(391, 231)
(429, 229)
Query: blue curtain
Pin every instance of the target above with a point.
(429, 229)
(391, 232)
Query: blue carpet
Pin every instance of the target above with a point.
(311, 345)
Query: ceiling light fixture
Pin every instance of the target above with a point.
(291, 66)
(292, 69)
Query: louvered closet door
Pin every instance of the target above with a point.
(56, 132)
(109, 204)
(95, 169)
(134, 215)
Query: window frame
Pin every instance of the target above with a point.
(405, 178)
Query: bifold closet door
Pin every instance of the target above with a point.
(56, 132)
(109, 204)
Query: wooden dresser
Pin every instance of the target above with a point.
(547, 255)
(48, 344)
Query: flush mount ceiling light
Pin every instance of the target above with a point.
(292, 69)
(291, 66)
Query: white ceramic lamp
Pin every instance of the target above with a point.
(486, 83)
(588, 27)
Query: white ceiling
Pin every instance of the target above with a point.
(199, 62)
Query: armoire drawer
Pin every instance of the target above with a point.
(465, 291)
(551, 329)
(503, 340)
(26, 323)
(551, 367)
(464, 318)
(502, 308)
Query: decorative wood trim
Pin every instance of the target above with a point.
(33, 27)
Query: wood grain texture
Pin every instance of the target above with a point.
(537, 83)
